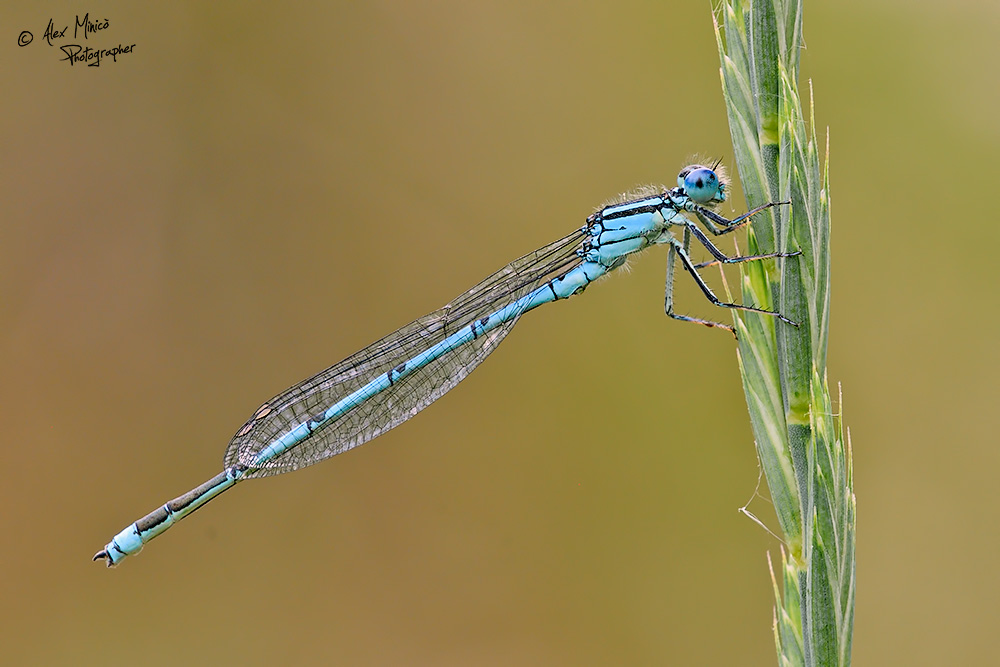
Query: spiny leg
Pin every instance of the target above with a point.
(709, 217)
(668, 300)
(720, 257)
(678, 248)
(746, 258)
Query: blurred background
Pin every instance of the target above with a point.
(256, 192)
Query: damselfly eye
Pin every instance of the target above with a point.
(700, 184)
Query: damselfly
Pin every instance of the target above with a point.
(393, 379)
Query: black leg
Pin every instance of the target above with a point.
(745, 258)
(668, 301)
(720, 257)
(709, 217)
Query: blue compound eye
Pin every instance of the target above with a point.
(700, 184)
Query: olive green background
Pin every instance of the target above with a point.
(256, 193)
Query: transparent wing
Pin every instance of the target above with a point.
(408, 396)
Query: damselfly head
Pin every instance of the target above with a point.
(703, 185)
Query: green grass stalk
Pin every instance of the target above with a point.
(802, 447)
